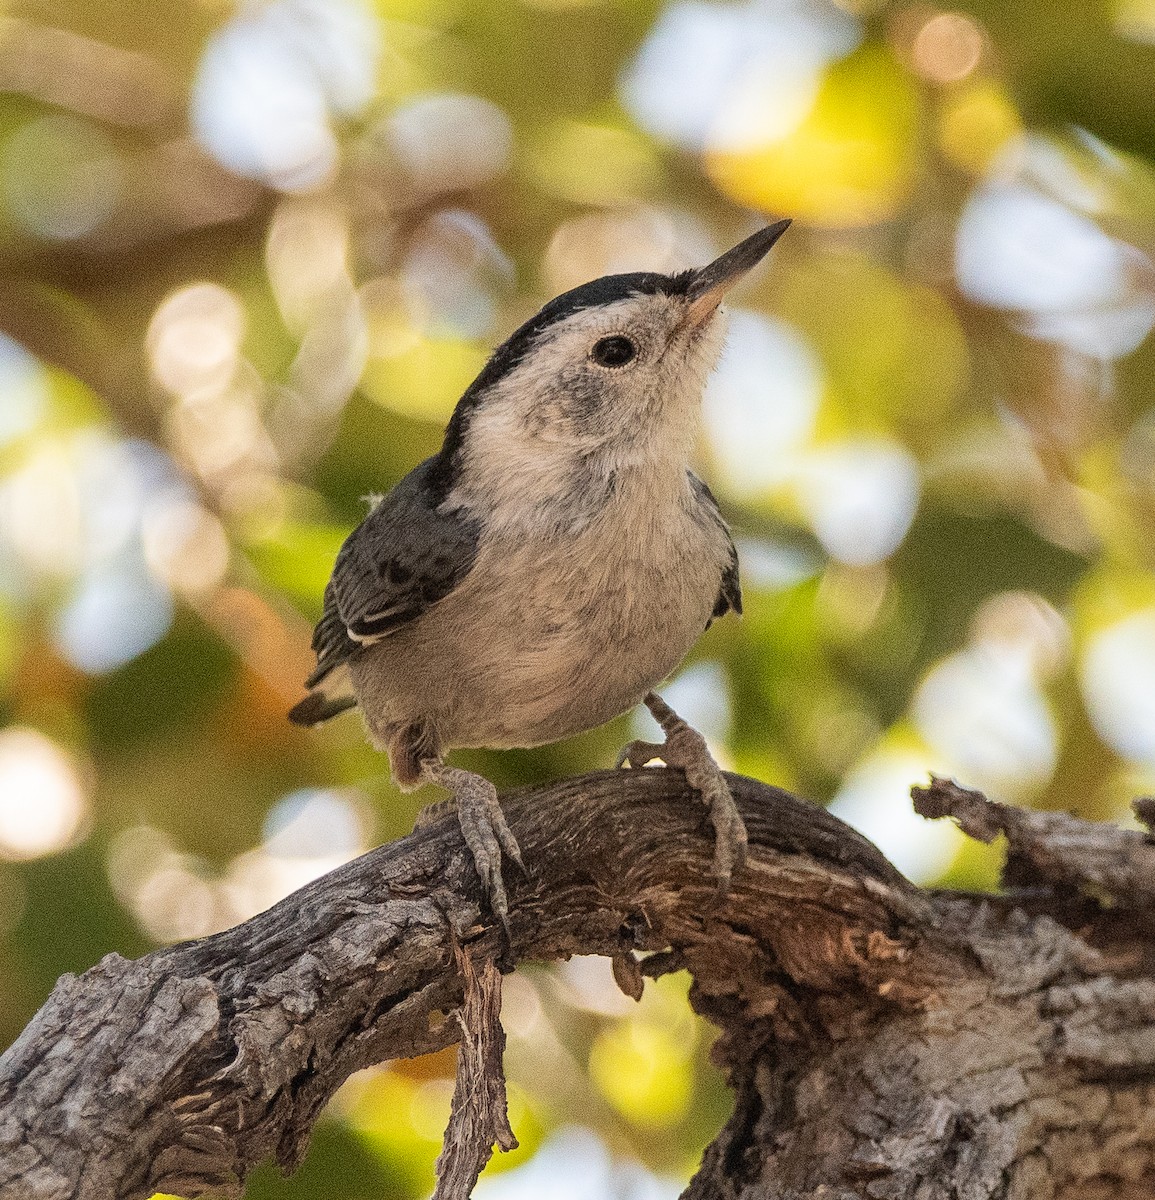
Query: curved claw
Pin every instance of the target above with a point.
(504, 833)
(484, 828)
(730, 839)
(685, 750)
(477, 829)
(638, 753)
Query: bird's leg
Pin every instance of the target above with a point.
(483, 826)
(685, 750)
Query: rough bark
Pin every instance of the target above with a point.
(881, 1041)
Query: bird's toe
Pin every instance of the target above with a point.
(503, 832)
(638, 753)
(730, 838)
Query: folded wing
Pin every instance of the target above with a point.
(402, 559)
(729, 587)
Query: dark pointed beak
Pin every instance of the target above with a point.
(711, 283)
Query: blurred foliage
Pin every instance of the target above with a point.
(253, 253)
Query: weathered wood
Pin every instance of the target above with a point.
(881, 1041)
(479, 1118)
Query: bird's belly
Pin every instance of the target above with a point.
(564, 680)
(530, 650)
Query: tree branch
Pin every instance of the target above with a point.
(881, 1041)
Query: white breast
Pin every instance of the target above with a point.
(555, 630)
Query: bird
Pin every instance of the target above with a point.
(554, 562)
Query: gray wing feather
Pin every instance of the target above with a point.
(730, 595)
(331, 641)
(403, 558)
(730, 586)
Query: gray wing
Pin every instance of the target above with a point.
(730, 587)
(402, 559)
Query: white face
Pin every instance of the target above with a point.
(624, 378)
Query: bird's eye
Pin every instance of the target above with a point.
(613, 351)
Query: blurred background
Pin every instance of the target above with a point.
(252, 254)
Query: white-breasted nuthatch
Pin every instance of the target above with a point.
(555, 561)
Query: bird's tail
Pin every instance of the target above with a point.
(317, 707)
(327, 697)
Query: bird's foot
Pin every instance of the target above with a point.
(685, 750)
(429, 814)
(484, 827)
(638, 753)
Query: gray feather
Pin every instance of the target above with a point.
(316, 707)
(730, 587)
(402, 559)
(331, 641)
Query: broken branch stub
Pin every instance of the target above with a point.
(479, 1116)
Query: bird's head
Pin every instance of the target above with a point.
(614, 369)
